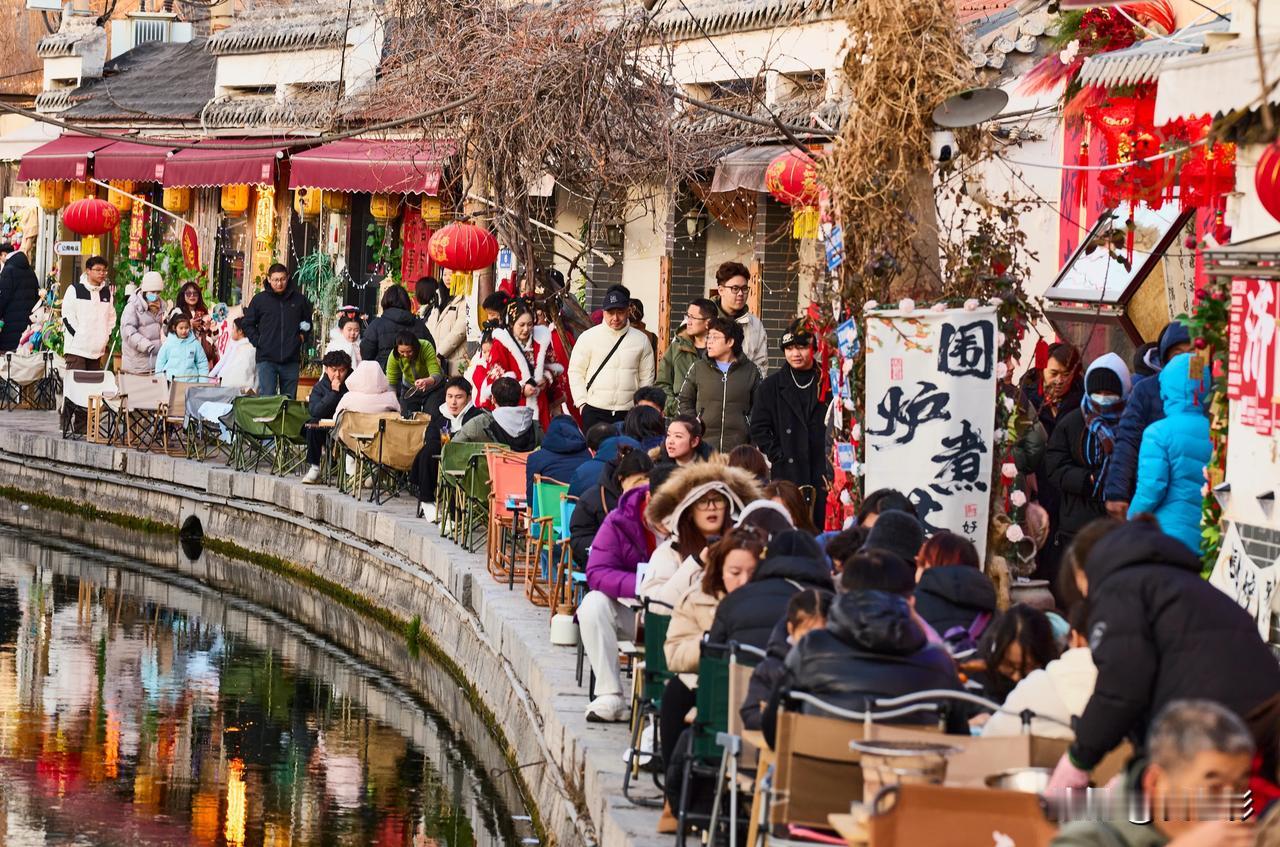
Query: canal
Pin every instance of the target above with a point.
(151, 696)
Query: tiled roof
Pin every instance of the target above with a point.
(691, 17)
(270, 111)
(1142, 61)
(969, 10)
(1006, 44)
(75, 35)
(297, 27)
(157, 80)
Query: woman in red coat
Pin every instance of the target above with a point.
(523, 352)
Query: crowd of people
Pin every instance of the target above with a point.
(700, 486)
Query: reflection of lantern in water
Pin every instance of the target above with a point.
(204, 817)
(234, 829)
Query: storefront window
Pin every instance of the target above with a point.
(234, 239)
(369, 263)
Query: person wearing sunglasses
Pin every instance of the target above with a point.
(687, 347)
(733, 284)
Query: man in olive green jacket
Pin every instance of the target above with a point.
(686, 348)
(720, 388)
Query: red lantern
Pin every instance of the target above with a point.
(91, 216)
(462, 248)
(792, 178)
(1267, 180)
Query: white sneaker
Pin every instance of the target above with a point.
(351, 466)
(312, 476)
(427, 510)
(608, 708)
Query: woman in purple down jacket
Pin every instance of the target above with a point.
(623, 542)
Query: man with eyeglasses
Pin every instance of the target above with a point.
(686, 348)
(733, 282)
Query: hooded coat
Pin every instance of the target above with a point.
(88, 316)
(794, 562)
(182, 358)
(379, 340)
(1159, 633)
(368, 391)
(19, 293)
(669, 575)
(1069, 470)
(563, 450)
(765, 677)
(274, 324)
(953, 595)
(722, 401)
(589, 473)
(1143, 408)
(598, 501)
(1173, 455)
(141, 332)
(511, 426)
(622, 543)
(674, 366)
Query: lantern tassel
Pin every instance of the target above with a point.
(804, 222)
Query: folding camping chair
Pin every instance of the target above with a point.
(569, 585)
(476, 490)
(267, 429)
(143, 397)
(506, 504)
(173, 418)
(713, 752)
(84, 412)
(650, 684)
(545, 528)
(450, 499)
(204, 434)
(30, 379)
(354, 433)
(391, 453)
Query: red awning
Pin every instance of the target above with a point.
(129, 160)
(405, 166)
(215, 165)
(63, 158)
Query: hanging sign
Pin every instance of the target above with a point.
(931, 398)
(66, 248)
(1251, 351)
(1238, 576)
(415, 261)
(139, 217)
(835, 248)
(190, 248)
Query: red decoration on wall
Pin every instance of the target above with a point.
(463, 247)
(1251, 345)
(139, 218)
(91, 216)
(1267, 180)
(190, 248)
(415, 238)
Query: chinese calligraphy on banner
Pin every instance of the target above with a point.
(415, 262)
(1251, 374)
(1241, 579)
(931, 394)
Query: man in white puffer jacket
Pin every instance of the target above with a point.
(88, 316)
(609, 362)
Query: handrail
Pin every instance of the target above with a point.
(853, 715)
(1026, 715)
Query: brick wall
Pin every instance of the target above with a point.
(601, 275)
(777, 262)
(688, 259)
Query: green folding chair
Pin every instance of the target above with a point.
(540, 552)
(268, 430)
(455, 456)
(475, 500)
(652, 684)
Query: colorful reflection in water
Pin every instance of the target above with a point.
(132, 713)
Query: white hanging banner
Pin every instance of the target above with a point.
(1239, 577)
(930, 414)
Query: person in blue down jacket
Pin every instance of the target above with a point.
(1142, 409)
(1174, 453)
(562, 451)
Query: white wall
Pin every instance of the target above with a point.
(742, 55)
(644, 245)
(726, 245)
(364, 50)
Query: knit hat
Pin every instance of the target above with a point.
(1173, 334)
(898, 532)
(1103, 380)
(152, 281)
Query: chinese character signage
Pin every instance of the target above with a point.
(931, 395)
(1242, 579)
(138, 232)
(1252, 351)
(415, 263)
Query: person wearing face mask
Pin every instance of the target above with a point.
(523, 353)
(1078, 457)
(142, 325)
(788, 419)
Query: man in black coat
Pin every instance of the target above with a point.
(379, 340)
(1158, 633)
(788, 420)
(19, 293)
(322, 406)
(277, 323)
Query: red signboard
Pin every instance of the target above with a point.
(1251, 374)
(190, 248)
(415, 262)
(138, 231)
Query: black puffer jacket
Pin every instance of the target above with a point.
(871, 648)
(589, 514)
(765, 677)
(380, 337)
(323, 402)
(274, 324)
(19, 291)
(953, 596)
(1160, 633)
(795, 562)
(1074, 479)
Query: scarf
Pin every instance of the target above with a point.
(1099, 438)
